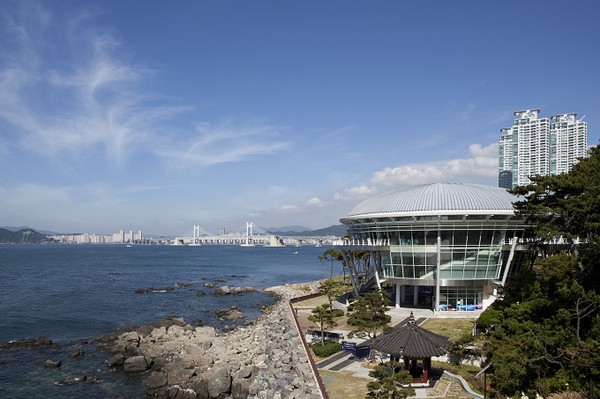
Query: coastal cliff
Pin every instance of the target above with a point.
(262, 359)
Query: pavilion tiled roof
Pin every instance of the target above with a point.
(411, 341)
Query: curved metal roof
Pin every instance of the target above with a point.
(411, 341)
(436, 199)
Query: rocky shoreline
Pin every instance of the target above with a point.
(260, 359)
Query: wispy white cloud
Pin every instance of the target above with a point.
(309, 204)
(227, 142)
(314, 202)
(481, 165)
(88, 97)
(355, 192)
(93, 100)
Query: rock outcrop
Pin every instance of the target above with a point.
(52, 363)
(226, 290)
(29, 343)
(263, 359)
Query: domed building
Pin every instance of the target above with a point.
(445, 246)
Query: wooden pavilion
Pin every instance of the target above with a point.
(412, 343)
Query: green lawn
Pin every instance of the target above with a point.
(451, 328)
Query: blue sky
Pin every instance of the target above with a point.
(160, 115)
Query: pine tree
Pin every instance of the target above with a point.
(367, 314)
(390, 382)
(546, 332)
(323, 316)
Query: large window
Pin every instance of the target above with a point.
(461, 298)
(464, 254)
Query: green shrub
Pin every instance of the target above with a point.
(326, 350)
(489, 318)
(337, 312)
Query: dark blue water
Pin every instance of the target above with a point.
(72, 294)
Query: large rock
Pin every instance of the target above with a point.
(175, 331)
(240, 388)
(180, 393)
(219, 381)
(222, 290)
(200, 386)
(231, 314)
(135, 364)
(131, 336)
(115, 361)
(156, 379)
(76, 352)
(52, 363)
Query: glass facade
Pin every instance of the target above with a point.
(464, 254)
(470, 247)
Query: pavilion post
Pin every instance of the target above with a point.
(426, 368)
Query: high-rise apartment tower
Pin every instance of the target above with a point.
(539, 146)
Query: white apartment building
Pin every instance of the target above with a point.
(568, 142)
(539, 146)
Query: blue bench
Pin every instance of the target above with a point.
(358, 351)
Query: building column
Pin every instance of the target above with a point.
(415, 295)
(402, 294)
(398, 289)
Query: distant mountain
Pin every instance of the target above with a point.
(24, 236)
(338, 230)
(15, 228)
(295, 228)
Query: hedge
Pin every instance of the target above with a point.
(326, 350)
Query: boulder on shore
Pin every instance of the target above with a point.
(219, 381)
(76, 352)
(115, 361)
(135, 364)
(231, 314)
(226, 290)
(52, 363)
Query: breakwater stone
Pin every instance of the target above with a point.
(262, 359)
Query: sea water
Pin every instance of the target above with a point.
(73, 293)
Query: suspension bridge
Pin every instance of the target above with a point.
(249, 236)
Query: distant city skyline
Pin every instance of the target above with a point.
(161, 116)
